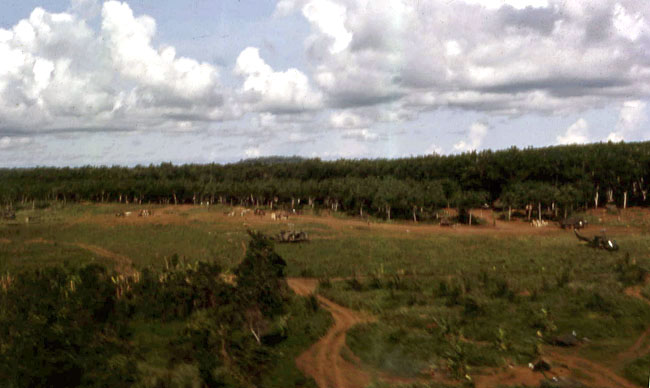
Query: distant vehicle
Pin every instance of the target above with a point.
(599, 241)
(574, 223)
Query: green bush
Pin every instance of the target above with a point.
(60, 326)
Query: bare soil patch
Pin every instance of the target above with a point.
(123, 264)
(323, 360)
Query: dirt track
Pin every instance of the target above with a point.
(323, 360)
(123, 264)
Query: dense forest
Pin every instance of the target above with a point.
(557, 179)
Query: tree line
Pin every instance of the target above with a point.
(559, 179)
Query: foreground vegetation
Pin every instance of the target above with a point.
(484, 317)
(457, 302)
(182, 325)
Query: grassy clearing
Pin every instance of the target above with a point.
(482, 316)
(34, 254)
(637, 370)
(464, 302)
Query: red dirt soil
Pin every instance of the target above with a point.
(323, 360)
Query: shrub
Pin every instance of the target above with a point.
(324, 283)
(354, 284)
(471, 308)
(628, 271)
(312, 303)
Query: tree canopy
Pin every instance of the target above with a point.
(567, 176)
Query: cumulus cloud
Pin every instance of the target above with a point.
(59, 74)
(360, 135)
(99, 67)
(9, 143)
(133, 56)
(576, 133)
(434, 149)
(86, 9)
(477, 133)
(329, 19)
(252, 152)
(274, 91)
(348, 119)
(504, 57)
(628, 24)
(631, 116)
(518, 4)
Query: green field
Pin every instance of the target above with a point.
(460, 302)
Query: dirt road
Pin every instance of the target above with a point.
(323, 361)
(123, 264)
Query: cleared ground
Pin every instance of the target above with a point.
(431, 298)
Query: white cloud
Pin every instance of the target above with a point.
(518, 4)
(628, 25)
(510, 57)
(360, 135)
(252, 152)
(630, 118)
(59, 74)
(329, 18)
(274, 91)
(347, 119)
(632, 115)
(434, 149)
(133, 56)
(86, 9)
(477, 132)
(9, 143)
(576, 133)
(286, 7)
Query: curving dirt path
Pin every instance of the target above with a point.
(123, 264)
(323, 360)
(601, 376)
(641, 346)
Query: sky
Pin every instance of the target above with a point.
(90, 82)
